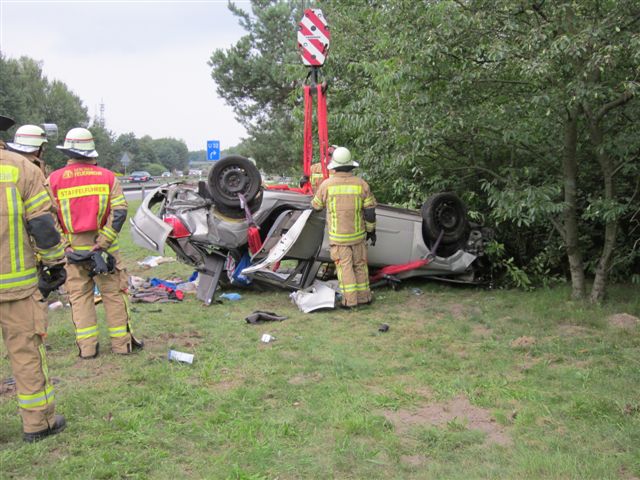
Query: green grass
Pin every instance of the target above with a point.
(316, 403)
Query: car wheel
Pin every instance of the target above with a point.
(230, 176)
(445, 212)
(237, 212)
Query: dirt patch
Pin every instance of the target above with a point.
(305, 378)
(528, 362)
(625, 474)
(93, 370)
(631, 409)
(457, 311)
(377, 389)
(413, 460)
(458, 350)
(572, 330)
(226, 385)
(481, 331)
(624, 321)
(424, 392)
(184, 339)
(523, 342)
(438, 414)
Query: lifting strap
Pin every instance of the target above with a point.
(323, 132)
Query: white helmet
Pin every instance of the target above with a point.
(28, 139)
(341, 158)
(79, 142)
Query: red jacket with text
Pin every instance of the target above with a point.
(83, 194)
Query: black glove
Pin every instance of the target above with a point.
(100, 265)
(303, 181)
(50, 278)
(372, 236)
(111, 263)
(78, 256)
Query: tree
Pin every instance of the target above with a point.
(29, 97)
(499, 101)
(257, 76)
(171, 153)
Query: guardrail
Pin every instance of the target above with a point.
(140, 186)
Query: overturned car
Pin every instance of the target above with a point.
(210, 227)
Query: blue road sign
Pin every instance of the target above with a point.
(213, 149)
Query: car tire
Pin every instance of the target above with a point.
(445, 211)
(230, 176)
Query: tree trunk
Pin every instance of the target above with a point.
(611, 227)
(608, 172)
(570, 213)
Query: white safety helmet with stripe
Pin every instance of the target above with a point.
(28, 139)
(79, 143)
(341, 158)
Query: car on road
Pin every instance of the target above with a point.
(140, 177)
(166, 174)
(212, 225)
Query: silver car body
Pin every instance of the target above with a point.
(295, 232)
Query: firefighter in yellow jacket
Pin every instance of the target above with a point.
(29, 142)
(27, 231)
(317, 175)
(351, 221)
(92, 210)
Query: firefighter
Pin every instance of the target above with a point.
(27, 231)
(29, 141)
(92, 210)
(317, 176)
(351, 221)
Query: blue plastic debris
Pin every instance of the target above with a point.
(231, 296)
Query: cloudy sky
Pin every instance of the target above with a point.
(145, 60)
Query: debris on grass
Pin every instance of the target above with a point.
(259, 316)
(55, 305)
(8, 386)
(154, 261)
(183, 357)
(317, 296)
(266, 338)
(231, 296)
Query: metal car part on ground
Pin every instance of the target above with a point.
(196, 225)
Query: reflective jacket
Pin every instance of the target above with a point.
(345, 197)
(37, 161)
(25, 204)
(86, 196)
(317, 177)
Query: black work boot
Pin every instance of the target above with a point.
(57, 427)
(136, 344)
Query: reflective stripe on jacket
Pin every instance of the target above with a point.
(345, 197)
(23, 197)
(317, 177)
